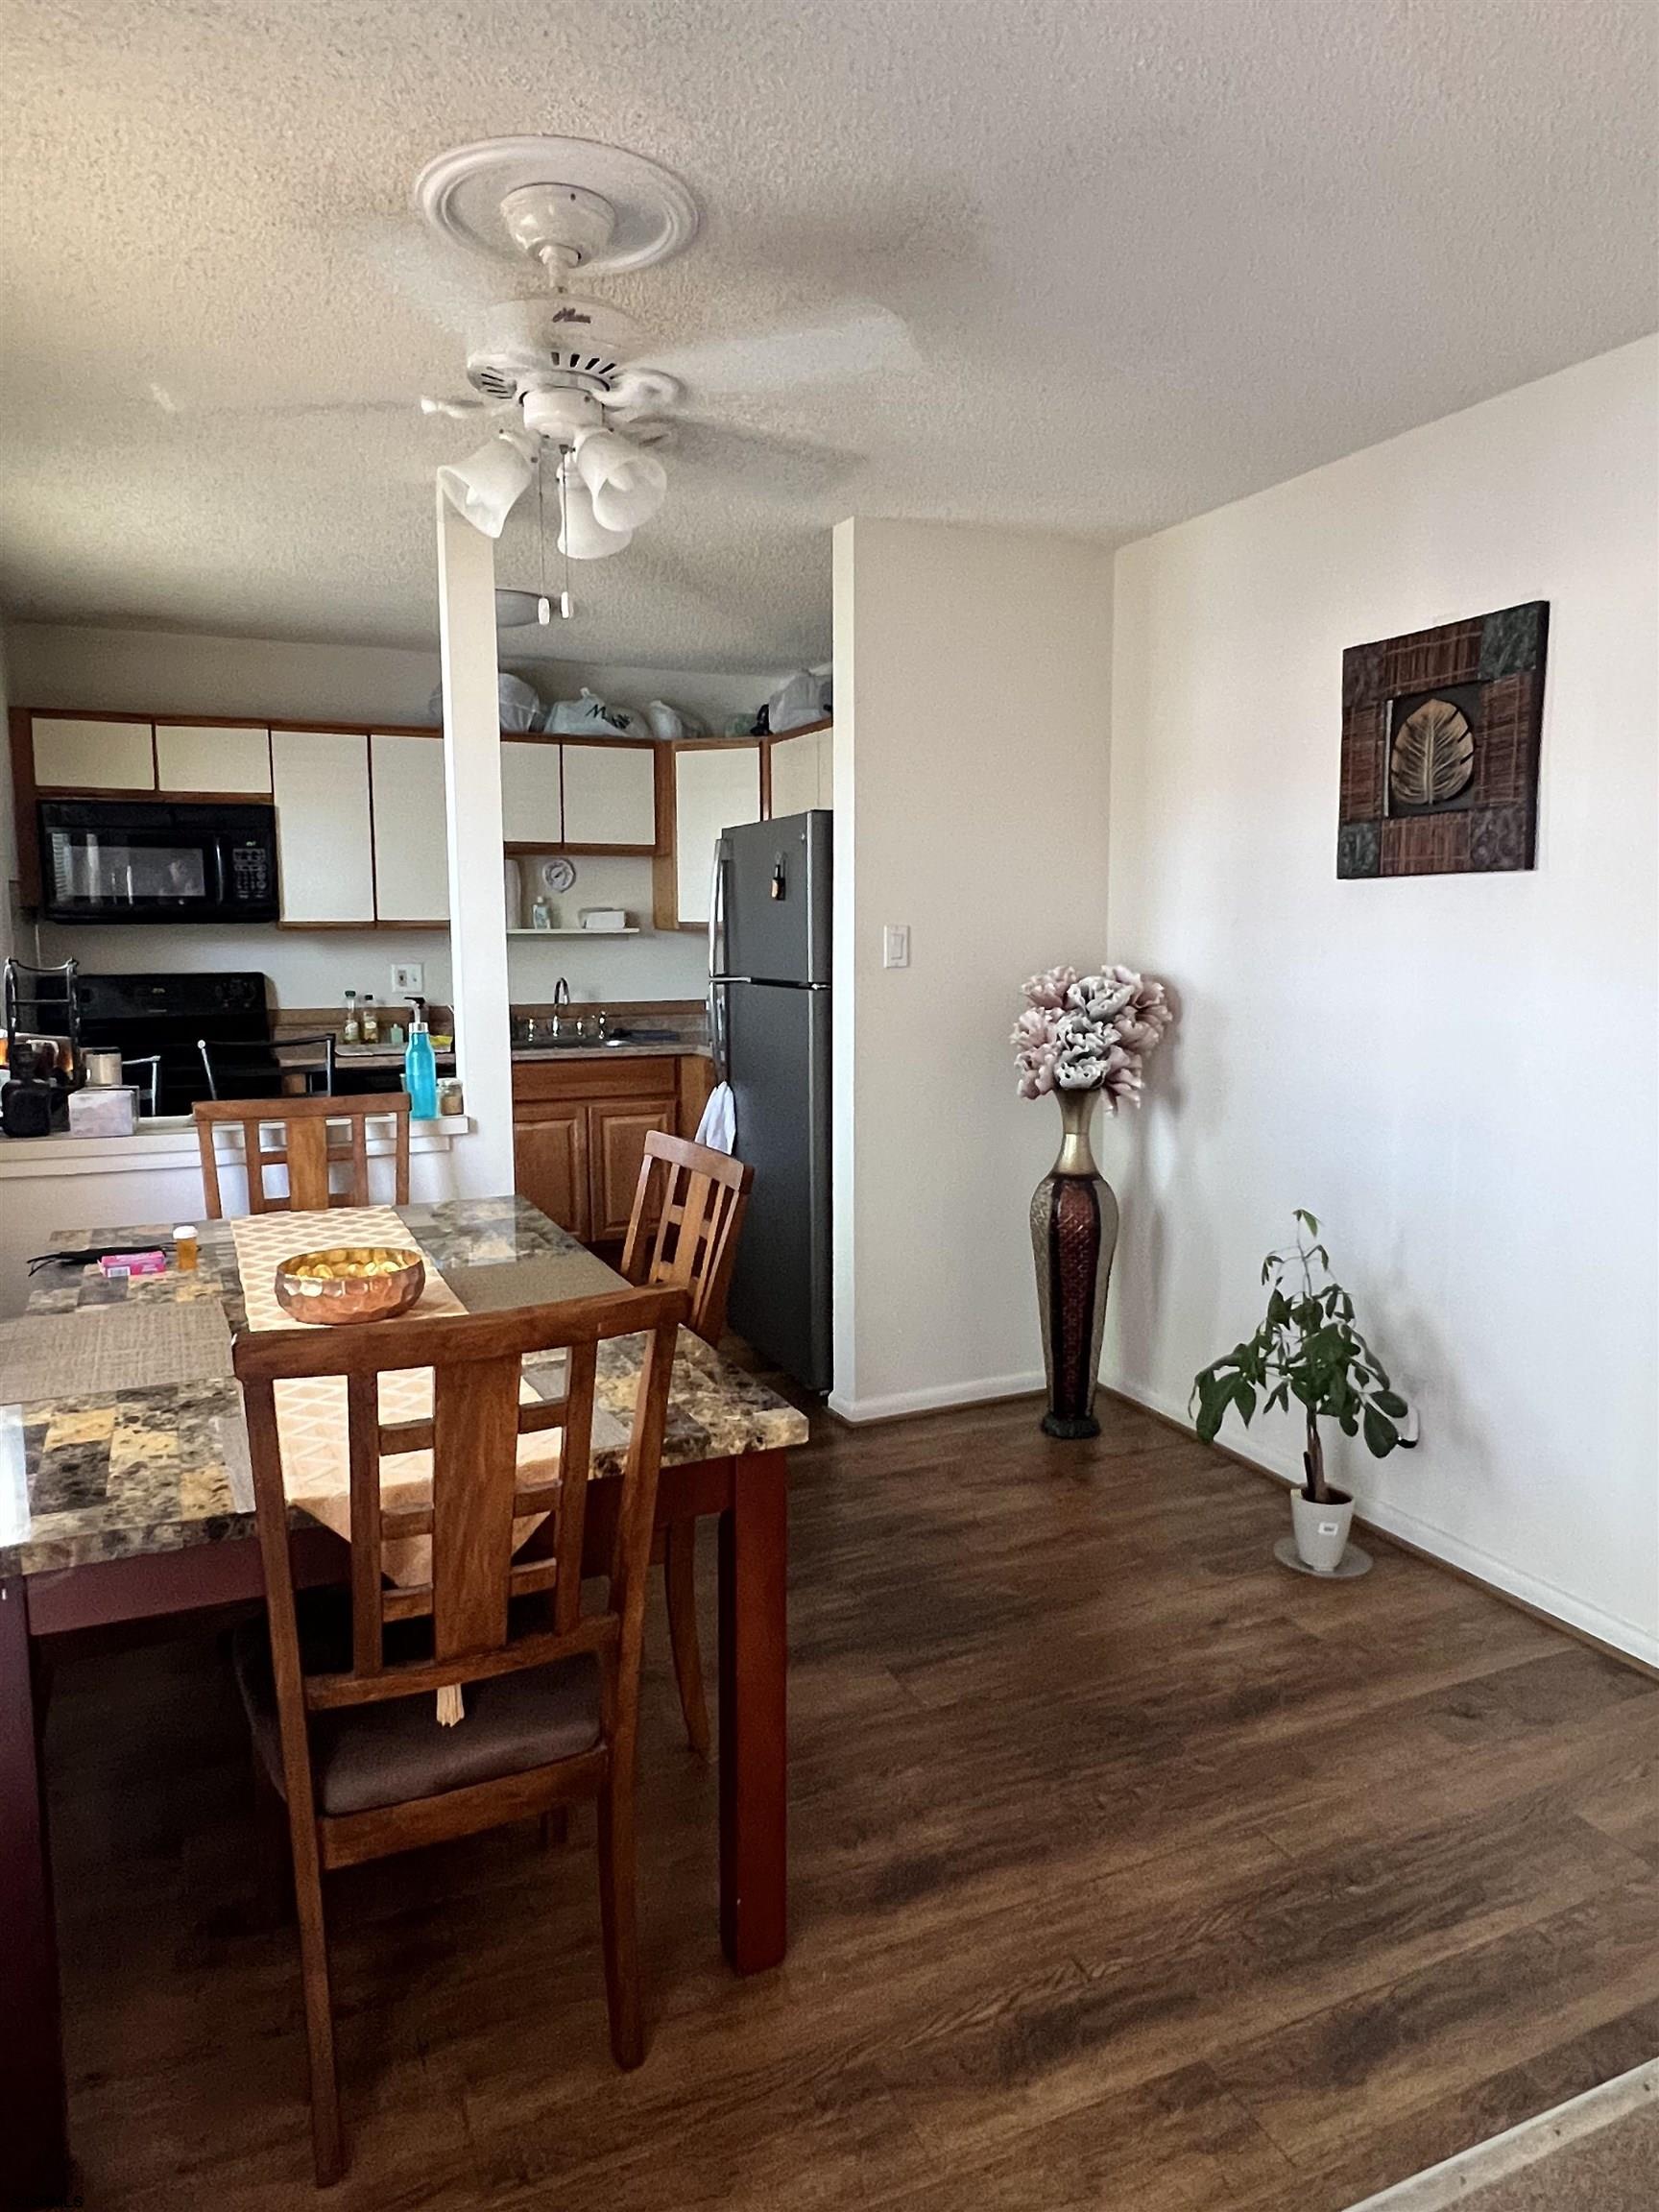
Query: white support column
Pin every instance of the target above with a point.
(478, 906)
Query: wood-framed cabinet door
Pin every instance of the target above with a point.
(616, 1137)
(715, 787)
(87, 754)
(795, 774)
(320, 780)
(550, 1161)
(411, 828)
(531, 792)
(213, 757)
(610, 795)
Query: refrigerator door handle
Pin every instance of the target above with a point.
(717, 960)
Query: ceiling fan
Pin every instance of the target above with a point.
(571, 383)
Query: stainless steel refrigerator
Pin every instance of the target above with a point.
(769, 916)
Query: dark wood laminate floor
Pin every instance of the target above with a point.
(1130, 1872)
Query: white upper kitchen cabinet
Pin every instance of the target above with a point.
(411, 830)
(803, 771)
(93, 756)
(211, 758)
(321, 783)
(715, 787)
(610, 796)
(532, 807)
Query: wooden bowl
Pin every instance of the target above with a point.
(350, 1283)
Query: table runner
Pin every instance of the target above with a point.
(311, 1421)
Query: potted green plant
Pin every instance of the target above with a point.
(1308, 1348)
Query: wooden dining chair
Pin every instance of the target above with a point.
(688, 1207)
(306, 1150)
(344, 1713)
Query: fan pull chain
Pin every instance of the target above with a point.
(566, 606)
(544, 610)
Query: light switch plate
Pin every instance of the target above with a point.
(896, 945)
(409, 976)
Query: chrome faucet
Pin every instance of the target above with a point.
(561, 997)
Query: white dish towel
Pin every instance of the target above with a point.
(719, 1127)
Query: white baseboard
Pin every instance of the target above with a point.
(933, 1401)
(1454, 2180)
(1470, 1559)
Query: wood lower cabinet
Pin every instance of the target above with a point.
(579, 1130)
(616, 1137)
(550, 1162)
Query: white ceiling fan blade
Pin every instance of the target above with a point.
(458, 410)
(855, 341)
(437, 280)
(761, 464)
(170, 401)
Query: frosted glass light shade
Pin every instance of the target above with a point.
(583, 537)
(486, 485)
(625, 483)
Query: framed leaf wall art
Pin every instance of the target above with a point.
(1440, 732)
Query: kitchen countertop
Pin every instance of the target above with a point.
(392, 1056)
(680, 1049)
(138, 1471)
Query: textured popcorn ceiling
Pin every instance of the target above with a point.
(1153, 257)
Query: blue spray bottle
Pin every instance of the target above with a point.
(420, 1068)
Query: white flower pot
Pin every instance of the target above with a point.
(1321, 1530)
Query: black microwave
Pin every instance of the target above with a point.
(126, 860)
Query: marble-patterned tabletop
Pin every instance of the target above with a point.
(156, 1470)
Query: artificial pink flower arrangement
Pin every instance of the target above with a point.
(1088, 1033)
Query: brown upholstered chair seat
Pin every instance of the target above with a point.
(364, 1756)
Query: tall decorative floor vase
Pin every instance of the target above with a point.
(1074, 1235)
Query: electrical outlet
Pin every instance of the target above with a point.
(896, 945)
(409, 977)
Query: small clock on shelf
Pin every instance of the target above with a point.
(559, 873)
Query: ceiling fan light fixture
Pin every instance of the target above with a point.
(486, 486)
(626, 484)
(583, 537)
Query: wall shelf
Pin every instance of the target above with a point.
(628, 932)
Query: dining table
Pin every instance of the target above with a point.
(125, 1495)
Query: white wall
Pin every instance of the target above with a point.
(60, 664)
(971, 716)
(174, 672)
(1456, 1073)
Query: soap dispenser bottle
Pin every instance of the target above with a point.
(419, 1067)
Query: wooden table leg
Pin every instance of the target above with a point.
(34, 2111)
(754, 1730)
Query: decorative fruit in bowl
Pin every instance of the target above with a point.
(350, 1283)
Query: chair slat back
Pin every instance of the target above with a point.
(688, 1207)
(477, 1493)
(307, 1150)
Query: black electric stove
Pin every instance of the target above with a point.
(168, 1014)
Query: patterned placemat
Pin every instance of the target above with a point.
(103, 1350)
